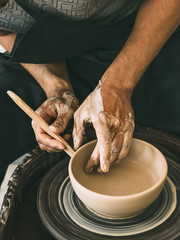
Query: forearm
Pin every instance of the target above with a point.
(52, 77)
(155, 22)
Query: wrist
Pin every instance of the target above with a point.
(55, 79)
(57, 88)
(119, 80)
(52, 77)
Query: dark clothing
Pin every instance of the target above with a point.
(17, 136)
(88, 53)
(51, 40)
(155, 100)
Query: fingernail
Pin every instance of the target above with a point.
(99, 170)
(54, 129)
(88, 170)
(106, 166)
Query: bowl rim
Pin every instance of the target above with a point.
(136, 195)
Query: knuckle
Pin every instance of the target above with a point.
(118, 160)
(76, 115)
(33, 124)
(116, 123)
(38, 110)
(125, 146)
(94, 162)
(42, 147)
(38, 138)
(115, 150)
(59, 122)
(107, 142)
(103, 117)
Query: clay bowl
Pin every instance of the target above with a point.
(129, 187)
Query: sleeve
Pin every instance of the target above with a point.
(14, 18)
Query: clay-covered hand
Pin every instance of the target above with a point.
(110, 111)
(57, 111)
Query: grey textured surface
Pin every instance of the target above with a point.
(14, 18)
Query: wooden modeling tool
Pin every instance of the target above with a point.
(34, 116)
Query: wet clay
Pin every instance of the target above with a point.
(125, 178)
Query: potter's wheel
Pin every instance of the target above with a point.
(66, 217)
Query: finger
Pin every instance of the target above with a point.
(78, 131)
(117, 140)
(47, 114)
(116, 145)
(114, 125)
(46, 140)
(125, 145)
(48, 149)
(104, 151)
(93, 161)
(61, 122)
(104, 141)
(50, 143)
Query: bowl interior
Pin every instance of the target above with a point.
(143, 168)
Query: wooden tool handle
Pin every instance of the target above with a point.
(34, 116)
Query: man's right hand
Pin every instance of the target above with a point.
(60, 105)
(57, 111)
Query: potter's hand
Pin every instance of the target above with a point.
(57, 112)
(109, 110)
